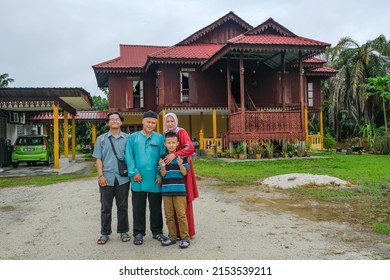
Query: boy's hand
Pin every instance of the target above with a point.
(161, 162)
(179, 161)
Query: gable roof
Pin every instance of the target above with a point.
(230, 17)
(270, 27)
(266, 43)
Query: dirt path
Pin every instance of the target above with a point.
(62, 221)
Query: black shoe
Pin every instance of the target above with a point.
(138, 239)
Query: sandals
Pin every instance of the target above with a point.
(160, 237)
(168, 241)
(138, 239)
(125, 237)
(103, 239)
(184, 244)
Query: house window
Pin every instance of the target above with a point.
(138, 94)
(19, 130)
(131, 128)
(184, 87)
(157, 88)
(310, 94)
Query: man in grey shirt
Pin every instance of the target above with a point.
(111, 183)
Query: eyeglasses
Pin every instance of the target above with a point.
(115, 120)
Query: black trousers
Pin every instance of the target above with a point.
(139, 212)
(121, 195)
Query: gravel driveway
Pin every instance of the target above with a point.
(61, 222)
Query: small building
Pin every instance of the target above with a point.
(19, 108)
(228, 82)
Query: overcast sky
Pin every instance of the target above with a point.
(54, 43)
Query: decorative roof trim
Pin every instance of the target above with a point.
(269, 24)
(202, 32)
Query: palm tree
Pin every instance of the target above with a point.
(348, 109)
(4, 80)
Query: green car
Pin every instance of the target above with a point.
(32, 149)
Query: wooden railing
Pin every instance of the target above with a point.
(316, 141)
(210, 147)
(266, 121)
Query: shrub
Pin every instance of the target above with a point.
(329, 141)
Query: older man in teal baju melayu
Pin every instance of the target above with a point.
(143, 150)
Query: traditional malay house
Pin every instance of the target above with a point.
(228, 82)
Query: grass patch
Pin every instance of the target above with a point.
(357, 169)
(43, 181)
(381, 228)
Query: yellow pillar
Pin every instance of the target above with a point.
(201, 140)
(94, 132)
(321, 130)
(201, 122)
(56, 138)
(73, 137)
(163, 113)
(66, 135)
(215, 126)
(306, 125)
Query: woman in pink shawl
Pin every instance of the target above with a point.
(185, 149)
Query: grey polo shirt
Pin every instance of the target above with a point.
(103, 150)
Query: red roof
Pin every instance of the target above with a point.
(314, 60)
(267, 39)
(134, 56)
(264, 39)
(197, 51)
(322, 71)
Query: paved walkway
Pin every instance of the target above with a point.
(78, 166)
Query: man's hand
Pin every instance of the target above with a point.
(137, 178)
(102, 181)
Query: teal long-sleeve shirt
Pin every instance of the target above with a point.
(142, 156)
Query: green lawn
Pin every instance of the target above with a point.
(357, 169)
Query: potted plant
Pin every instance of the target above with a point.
(308, 149)
(258, 151)
(284, 154)
(234, 153)
(241, 150)
(269, 148)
